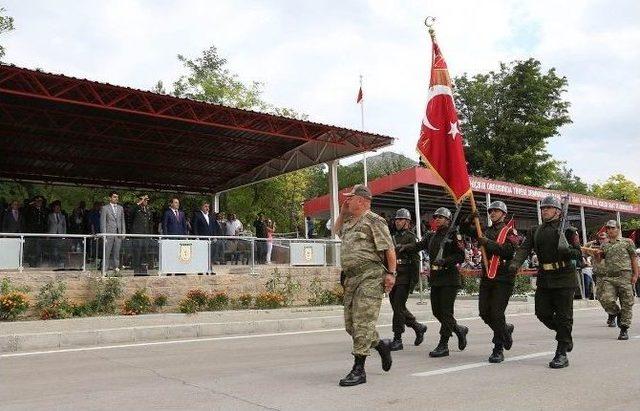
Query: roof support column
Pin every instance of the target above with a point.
(488, 201)
(618, 220)
(539, 212)
(216, 203)
(584, 225)
(333, 194)
(416, 211)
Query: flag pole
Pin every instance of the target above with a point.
(476, 220)
(364, 155)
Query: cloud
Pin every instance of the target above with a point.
(310, 56)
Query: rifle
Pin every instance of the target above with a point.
(563, 244)
(452, 226)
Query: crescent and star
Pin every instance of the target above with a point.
(434, 91)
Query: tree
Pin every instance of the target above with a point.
(565, 180)
(6, 25)
(507, 117)
(618, 187)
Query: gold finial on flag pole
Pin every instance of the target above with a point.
(429, 22)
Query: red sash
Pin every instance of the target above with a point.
(495, 260)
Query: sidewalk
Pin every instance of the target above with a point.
(92, 331)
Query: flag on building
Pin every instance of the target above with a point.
(440, 145)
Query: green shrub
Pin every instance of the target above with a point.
(6, 287)
(245, 300)
(51, 302)
(286, 287)
(269, 300)
(471, 285)
(522, 285)
(138, 303)
(218, 301)
(107, 292)
(12, 304)
(187, 306)
(80, 310)
(199, 297)
(320, 296)
(160, 301)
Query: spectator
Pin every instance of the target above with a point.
(112, 222)
(12, 220)
(233, 227)
(56, 224)
(271, 229)
(261, 232)
(141, 223)
(78, 220)
(218, 244)
(174, 221)
(310, 227)
(35, 222)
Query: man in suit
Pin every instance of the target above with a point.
(203, 222)
(173, 221)
(35, 221)
(12, 221)
(112, 222)
(141, 223)
(56, 224)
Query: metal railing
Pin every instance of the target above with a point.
(144, 253)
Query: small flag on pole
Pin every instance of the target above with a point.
(360, 96)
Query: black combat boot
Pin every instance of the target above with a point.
(560, 360)
(508, 341)
(461, 332)
(385, 354)
(420, 330)
(497, 355)
(624, 335)
(442, 350)
(356, 375)
(396, 344)
(611, 321)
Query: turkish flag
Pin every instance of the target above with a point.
(359, 98)
(440, 145)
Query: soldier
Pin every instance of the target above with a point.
(598, 266)
(366, 243)
(556, 282)
(408, 265)
(444, 278)
(141, 223)
(618, 277)
(496, 286)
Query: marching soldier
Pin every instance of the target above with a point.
(444, 278)
(556, 282)
(408, 265)
(598, 266)
(496, 286)
(618, 277)
(366, 243)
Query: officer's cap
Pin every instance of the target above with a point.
(360, 190)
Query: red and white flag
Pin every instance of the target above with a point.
(360, 96)
(440, 145)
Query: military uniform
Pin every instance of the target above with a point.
(141, 223)
(615, 280)
(495, 292)
(556, 280)
(444, 281)
(408, 267)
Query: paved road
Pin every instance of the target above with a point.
(301, 371)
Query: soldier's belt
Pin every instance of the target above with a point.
(404, 261)
(437, 267)
(554, 266)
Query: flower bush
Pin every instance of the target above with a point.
(160, 301)
(269, 300)
(245, 300)
(218, 301)
(12, 304)
(199, 297)
(51, 302)
(188, 306)
(138, 303)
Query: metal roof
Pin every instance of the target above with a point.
(65, 130)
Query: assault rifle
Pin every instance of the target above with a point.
(563, 244)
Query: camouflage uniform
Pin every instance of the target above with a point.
(364, 241)
(615, 280)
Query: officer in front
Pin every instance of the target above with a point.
(557, 278)
(408, 266)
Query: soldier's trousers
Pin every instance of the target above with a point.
(492, 302)
(554, 308)
(611, 289)
(443, 299)
(401, 315)
(362, 300)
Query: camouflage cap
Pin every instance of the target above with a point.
(612, 223)
(360, 190)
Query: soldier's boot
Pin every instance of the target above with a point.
(383, 348)
(624, 335)
(442, 350)
(356, 375)
(508, 341)
(560, 360)
(497, 355)
(461, 332)
(396, 344)
(420, 330)
(611, 321)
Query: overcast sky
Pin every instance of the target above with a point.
(309, 54)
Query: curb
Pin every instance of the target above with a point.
(126, 335)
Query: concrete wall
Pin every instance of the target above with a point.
(233, 282)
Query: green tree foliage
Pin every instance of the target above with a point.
(618, 187)
(565, 180)
(507, 116)
(6, 25)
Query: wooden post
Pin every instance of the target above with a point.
(476, 220)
